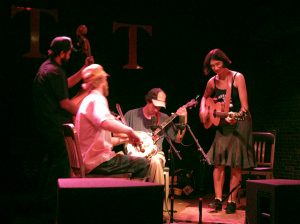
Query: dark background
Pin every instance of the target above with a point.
(261, 38)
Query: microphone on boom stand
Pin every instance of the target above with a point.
(181, 124)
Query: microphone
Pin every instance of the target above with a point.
(181, 124)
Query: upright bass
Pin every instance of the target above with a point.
(83, 45)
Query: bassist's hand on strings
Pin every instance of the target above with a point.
(89, 60)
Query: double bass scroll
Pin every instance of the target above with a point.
(82, 45)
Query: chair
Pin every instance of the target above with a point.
(264, 146)
(77, 168)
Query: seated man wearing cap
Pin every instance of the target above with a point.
(95, 125)
(148, 119)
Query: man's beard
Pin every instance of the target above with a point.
(106, 91)
(64, 62)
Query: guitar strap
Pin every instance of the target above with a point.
(228, 93)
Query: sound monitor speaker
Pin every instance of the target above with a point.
(109, 200)
(272, 201)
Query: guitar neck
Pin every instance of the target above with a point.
(190, 104)
(240, 116)
(165, 123)
(220, 114)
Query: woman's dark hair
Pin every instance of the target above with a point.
(215, 54)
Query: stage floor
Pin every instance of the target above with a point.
(186, 210)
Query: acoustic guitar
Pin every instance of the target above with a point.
(214, 112)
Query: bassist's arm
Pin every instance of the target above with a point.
(76, 77)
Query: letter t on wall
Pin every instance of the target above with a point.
(132, 45)
(34, 51)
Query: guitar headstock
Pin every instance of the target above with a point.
(192, 102)
(239, 116)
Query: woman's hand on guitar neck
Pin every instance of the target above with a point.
(230, 118)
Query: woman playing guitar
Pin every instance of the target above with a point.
(226, 93)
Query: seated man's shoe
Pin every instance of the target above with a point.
(216, 204)
(230, 208)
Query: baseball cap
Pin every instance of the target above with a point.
(61, 43)
(158, 97)
(92, 73)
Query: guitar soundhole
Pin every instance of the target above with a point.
(214, 113)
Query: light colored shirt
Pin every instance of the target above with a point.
(95, 142)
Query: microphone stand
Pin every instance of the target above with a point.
(206, 159)
(172, 166)
(198, 145)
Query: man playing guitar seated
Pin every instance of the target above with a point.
(150, 120)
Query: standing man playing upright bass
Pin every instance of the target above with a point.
(53, 107)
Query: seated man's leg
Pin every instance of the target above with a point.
(157, 164)
(138, 166)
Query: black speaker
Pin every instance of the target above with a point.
(272, 201)
(109, 200)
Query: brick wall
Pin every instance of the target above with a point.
(275, 101)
